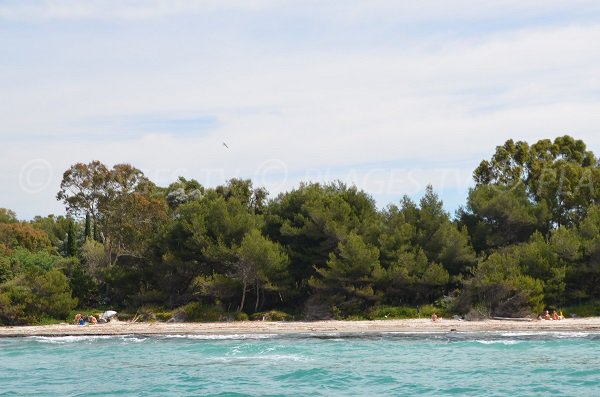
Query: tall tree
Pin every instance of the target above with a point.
(499, 288)
(312, 220)
(120, 202)
(7, 216)
(497, 216)
(560, 174)
(84, 188)
(15, 235)
(349, 275)
(260, 264)
(71, 240)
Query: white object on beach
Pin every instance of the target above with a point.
(108, 314)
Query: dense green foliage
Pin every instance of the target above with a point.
(527, 239)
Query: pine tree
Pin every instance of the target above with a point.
(88, 227)
(71, 242)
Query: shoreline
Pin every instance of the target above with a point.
(120, 328)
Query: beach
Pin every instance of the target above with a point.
(316, 327)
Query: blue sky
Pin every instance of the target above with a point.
(388, 95)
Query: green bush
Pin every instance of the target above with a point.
(156, 314)
(84, 287)
(428, 310)
(24, 260)
(241, 316)
(197, 312)
(32, 296)
(403, 312)
(336, 313)
(13, 308)
(164, 315)
(147, 313)
(272, 315)
(389, 312)
(590, 309)
(5, 269)
(126, 316)
(355, 317)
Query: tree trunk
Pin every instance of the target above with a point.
(88, 227)
(257, 296)
(95, 229)
(262, 298)
(243, 297)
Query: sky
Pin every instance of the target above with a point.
(387, 95)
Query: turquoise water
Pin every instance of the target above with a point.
(464, 364)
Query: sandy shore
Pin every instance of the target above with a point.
(259, 327)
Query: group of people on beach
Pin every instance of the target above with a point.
(91, 319)
(553, 316)
(83, 320)
(547, 316)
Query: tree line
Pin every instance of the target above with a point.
(527, 238)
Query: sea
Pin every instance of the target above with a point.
(512, 364)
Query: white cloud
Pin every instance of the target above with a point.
(116, 9)
(348, 11)
(389, 117)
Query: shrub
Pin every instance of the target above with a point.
(5, 269)
(404, 312)
(84, 286)
(498, 288)
(53, 295)
(355, 317)
(25, 261)
(590, 309)
(149, 313)
(32, 296)
(196, 311)
(428, 310)
(389, 312)
(272, 315)
(163, 315)
(25, 236)
(241, 316)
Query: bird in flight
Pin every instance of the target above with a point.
(224, 144)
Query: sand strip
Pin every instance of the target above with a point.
(317, 327)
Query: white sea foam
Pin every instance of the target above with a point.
(417, 334)
(264, 357)
(222, 336)
(556, 334)
(510, 334)
(572, 334)
(324, 334)
(506, 342)
(85, 338)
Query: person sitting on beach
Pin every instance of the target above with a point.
(547, 316)
(554, 315)
(77, 318)
(92, 320)
(434, 317)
